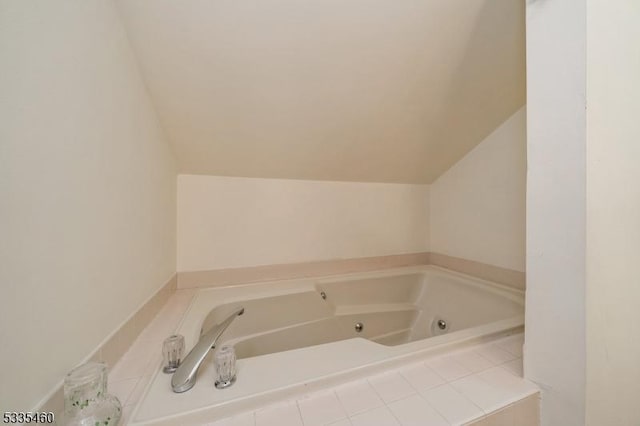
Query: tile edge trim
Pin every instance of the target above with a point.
(509, 277)
(243, 275)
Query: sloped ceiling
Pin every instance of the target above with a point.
(355, 90)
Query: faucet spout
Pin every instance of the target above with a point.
(185, 376)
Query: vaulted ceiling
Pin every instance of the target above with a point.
(355, 90)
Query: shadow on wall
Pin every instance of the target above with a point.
(472, 80)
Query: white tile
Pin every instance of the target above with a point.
(136, 394)
(452, 405)
(494, 353)
(127, 410)
(357, 397)
(141, 347)
(377, 417)
(494, 389)
(472, 361)
(391, 386)
(481, 393)
(129, 367)
(416, 411)
(421, 377)
(154, 365)
(499, 377)
(343, 422)
(321, 408)
(448, 368)
(121, 389)
(514, 367)
(512, 344)
(283, 414)
(245, 419)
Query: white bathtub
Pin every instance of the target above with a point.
(291, 338)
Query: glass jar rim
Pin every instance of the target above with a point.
(86, 373)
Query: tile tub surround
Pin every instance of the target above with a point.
(451, 388)
(509, 277)
(113, 349)
(225, 277)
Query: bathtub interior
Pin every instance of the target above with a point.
(392, 310)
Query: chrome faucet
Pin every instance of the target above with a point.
(185, 376)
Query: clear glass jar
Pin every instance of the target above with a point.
(86, 401)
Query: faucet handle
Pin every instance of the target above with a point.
(172, 352)
(225, 363)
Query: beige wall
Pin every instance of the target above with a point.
(234, 222)
(478, 205)
(613, 212)
(554, 351)
(87, 190)
(476, 211)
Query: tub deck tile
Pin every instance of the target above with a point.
(357, 397)
(321, 408)
(514, 367)
(282, 414)
(512, 344)
(421, 377)
(416, 411)
(473, 361)
(380, 416)
(391, 386)
(494, 353)
(448, 368)
(246, 419)
(452, 405)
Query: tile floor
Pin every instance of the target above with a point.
(450, 389)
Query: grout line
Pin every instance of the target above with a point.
(485, 358)
(300, 412)
(394, 414)
(469, 399)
